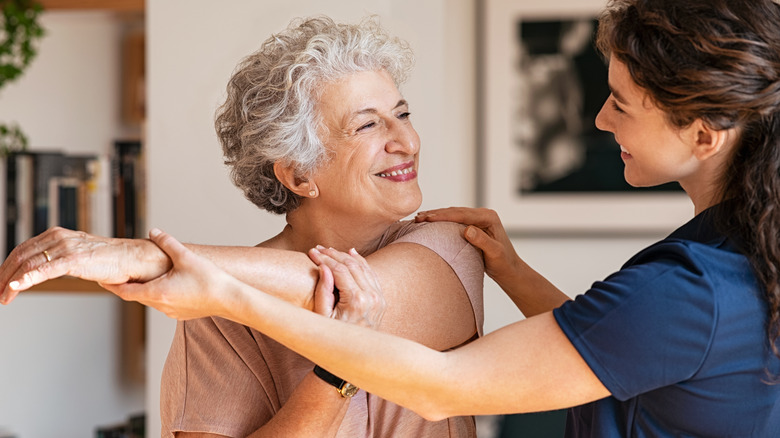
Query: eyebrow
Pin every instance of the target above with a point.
(617, 95)
(400, 103)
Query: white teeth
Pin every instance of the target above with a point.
(396, 172)
(622, 149)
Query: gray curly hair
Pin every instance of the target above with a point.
(270, 111)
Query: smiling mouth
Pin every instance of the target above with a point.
(623, 150)
(405, 171)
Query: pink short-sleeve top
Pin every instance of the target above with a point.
(225, 378)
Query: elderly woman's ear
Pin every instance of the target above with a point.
(305, 187)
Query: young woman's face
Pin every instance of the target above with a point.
(653, 151)
(374, 149)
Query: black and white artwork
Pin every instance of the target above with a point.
(562, 84)
(545, 167)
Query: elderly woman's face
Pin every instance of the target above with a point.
(373, 172)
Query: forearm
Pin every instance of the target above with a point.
(428, 293)
(380, 362)
(288, 275)
(315, 409)
(525, 367)
(531, 292)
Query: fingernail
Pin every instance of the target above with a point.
(353, 251)
(154, 232)
(14, 285)
(320, 247)
(471, 233)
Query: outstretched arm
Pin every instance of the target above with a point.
(530, 291)
(427, 303)
(527, 366)
(115, 261)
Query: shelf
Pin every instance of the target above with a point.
(67, 284)
(111, 5)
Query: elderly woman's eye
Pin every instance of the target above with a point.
(366, 126)
(404, 115)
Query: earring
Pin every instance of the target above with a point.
(312, 193)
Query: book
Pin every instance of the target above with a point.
(42, 189)
(46, 165)
(66, 203)
(100, 196)
(18, 199)
(128, 190)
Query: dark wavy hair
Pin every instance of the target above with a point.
(718, 61)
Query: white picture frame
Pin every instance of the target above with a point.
(500, 159)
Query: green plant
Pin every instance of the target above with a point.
(19, 34)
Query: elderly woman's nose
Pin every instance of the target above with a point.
(403, 139)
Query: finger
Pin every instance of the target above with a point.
(12, 267)
(480, 239)
(492, 248)
(143, 294)
(357, 267)
(480, 217)
(369, 273)
(324, 299)
(344, 276)
(315, 255)
(35, 270)
(125, 291)
(169, 244)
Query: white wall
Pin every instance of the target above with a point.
(59, 353)
(193, 47)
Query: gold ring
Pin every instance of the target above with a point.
(46, 254)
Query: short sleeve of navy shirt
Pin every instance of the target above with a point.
(678, 337)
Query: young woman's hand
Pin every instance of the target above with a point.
(193, 288)
(348, 289)
(485, 231)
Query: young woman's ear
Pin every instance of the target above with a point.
(306, 188)
(708, 142)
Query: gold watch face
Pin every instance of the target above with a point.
(348, 390)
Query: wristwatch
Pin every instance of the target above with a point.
(344, 388)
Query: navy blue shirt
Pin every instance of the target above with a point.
(678, 336)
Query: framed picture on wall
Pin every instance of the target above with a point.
(544, 166)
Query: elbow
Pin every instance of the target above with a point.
(433, 415)
(433, 409)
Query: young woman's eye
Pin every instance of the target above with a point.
(616, 107)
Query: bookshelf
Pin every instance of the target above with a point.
(80, 78)
(130, 16)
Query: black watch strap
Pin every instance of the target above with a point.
(344, 388)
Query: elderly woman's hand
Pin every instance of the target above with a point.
(357, 297)
(193, 288)
(58, 252)
(486, 232)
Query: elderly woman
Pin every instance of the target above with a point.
(314, 127)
